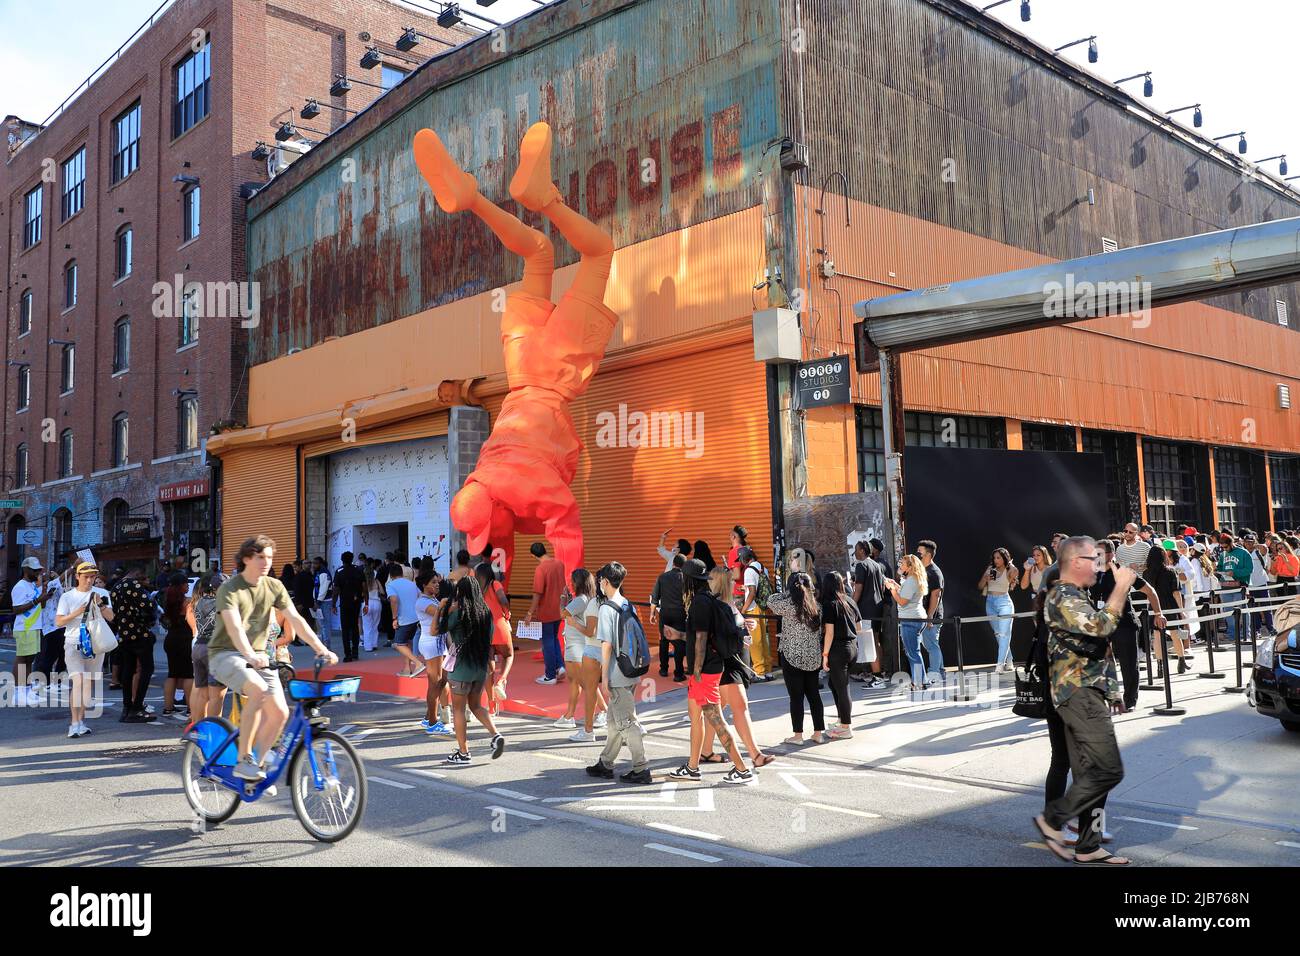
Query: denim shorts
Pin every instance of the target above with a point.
(406, 633)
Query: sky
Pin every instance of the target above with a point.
(1235, 58)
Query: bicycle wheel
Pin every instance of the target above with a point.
(333, 811)
(209, 798)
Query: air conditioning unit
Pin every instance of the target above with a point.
(284, 156)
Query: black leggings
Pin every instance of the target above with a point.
(675, 649)
(802, 685)
(843, 653)
(1059, 769)
(1124, 641)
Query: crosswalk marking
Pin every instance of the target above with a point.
(682, 831)
(512, 794)
(835, 809)
(678, 851)
(919, 786)
(391, 783)
(515, 813)
(1158, 823)
(554, 756)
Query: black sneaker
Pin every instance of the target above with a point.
(663, 672)
(738, 776)
(685, 772)
(457, 758)
(498, 746)
(637, 776)
(679, 678)
(598, 769)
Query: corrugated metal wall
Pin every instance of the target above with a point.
(259, 489)
(426, 426)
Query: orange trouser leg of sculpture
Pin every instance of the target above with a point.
(524, 469)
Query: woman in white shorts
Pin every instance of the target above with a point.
(432, 647)
(83, 671)
(583, 650)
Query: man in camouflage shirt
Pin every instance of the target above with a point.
(1084, 691)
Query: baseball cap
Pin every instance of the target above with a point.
(86, 567)
(33, 563)
(1189, 530)
(1199, 547)
(1168, 544)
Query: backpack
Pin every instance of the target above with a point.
(764, 589)
(631, 649)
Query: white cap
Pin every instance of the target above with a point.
(33, 563)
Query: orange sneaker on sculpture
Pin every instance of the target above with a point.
(551, 351)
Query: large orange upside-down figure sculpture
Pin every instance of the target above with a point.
(551, 351)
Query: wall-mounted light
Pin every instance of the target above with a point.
(1241, 142)
(1024, 8)
(1281, 166)
(1196, 117)
(371, 58)
(311, 109)
(286, 131)
(1147, 87)
(186, 180)
(340, 86)
(1092, 47)
(450, 15)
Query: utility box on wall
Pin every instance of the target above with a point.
(776, 336)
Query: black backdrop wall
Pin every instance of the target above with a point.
(972, 500)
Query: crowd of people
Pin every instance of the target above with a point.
(722, 626)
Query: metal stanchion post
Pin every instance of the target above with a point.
(1209, 653)
(961, 694)
(1168, 710)
(1146, 633)
(1239, 688)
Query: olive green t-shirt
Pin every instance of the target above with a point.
(255, 604)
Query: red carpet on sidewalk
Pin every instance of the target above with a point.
(378, 674)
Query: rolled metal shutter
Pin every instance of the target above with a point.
(260, 496)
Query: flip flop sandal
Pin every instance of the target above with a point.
(1063, 852)
(1110, 859)
(762, 760)
(1045, 835)
(714, 758)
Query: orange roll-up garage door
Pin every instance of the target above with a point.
(629, 495)
(259, 495)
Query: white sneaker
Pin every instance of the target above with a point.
(82, 729)
(559, 675)
(545, 680)
(602, 719)
(564, 723)
(72, 731)
(580, 736)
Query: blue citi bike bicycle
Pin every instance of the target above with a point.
(326, 778)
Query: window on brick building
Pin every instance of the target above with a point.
(126, 143)
(62, 531)
(24, 386)
(190, 199)
(70, 284)
(123, 252)
(25, 312)
(122, 344)
(191, 80)
(121, 427)
(187, 424)
(20, 466)
(65, 453)
(66, 368)
(390, 76)
(188, 329)
(74, 184)
(32, 218)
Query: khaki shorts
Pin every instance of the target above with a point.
(230, 668)
(466, 688)
(76, 664)
(29, 642)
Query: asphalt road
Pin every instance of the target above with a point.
(114, 798)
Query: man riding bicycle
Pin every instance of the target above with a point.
(237, 654)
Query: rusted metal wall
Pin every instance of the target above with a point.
(359, 240)
(930, 117)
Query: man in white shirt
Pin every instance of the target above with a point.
(1132, 551)
(30, 596)
(683, 548)
(321, 585)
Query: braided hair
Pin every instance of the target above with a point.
(477, 621)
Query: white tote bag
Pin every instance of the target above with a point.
(102, 638)
(866, 643)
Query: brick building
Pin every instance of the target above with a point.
(116, 368)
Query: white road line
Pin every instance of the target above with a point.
(1158, 823)
(827, 806)
(561, 799)
(682, 831)
(512, 794)
(364, 734)
(345, 728)
(678, 851)
(1294, 846)
(919, 786)
(426, 773)
(553, 756)
(795, 785)
(515, 813)
(655, 743)
(391, 783)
